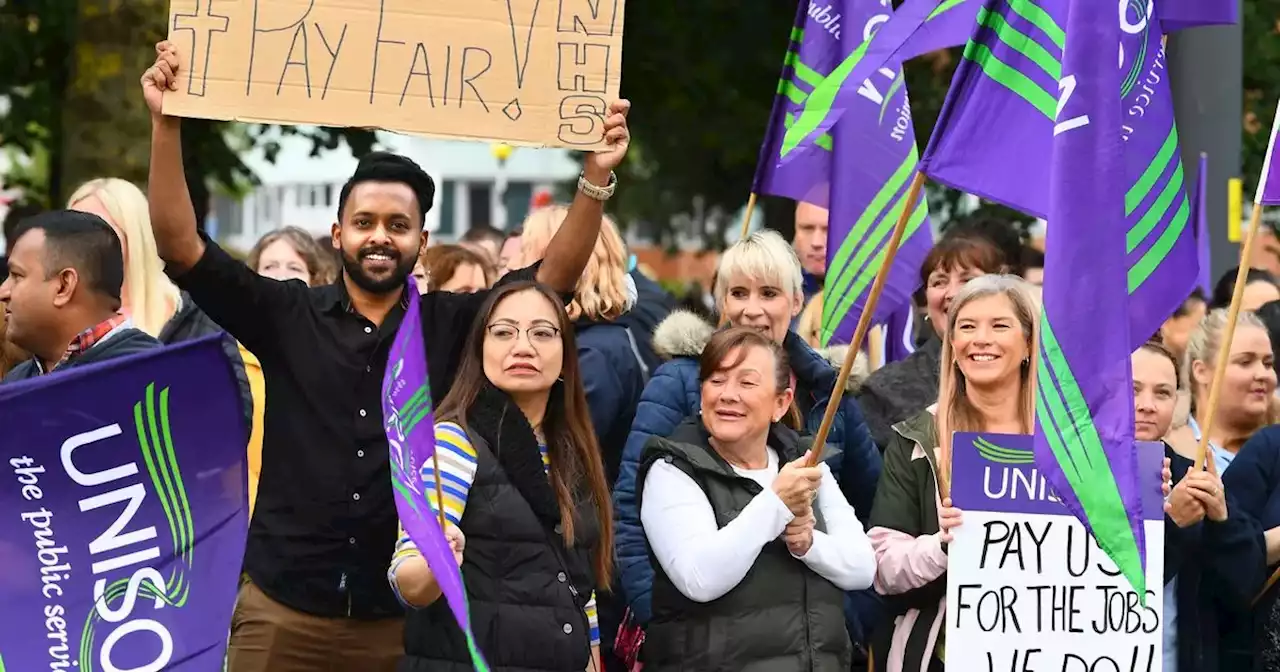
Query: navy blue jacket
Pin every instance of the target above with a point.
(1219, 567)
(613, 376)
(1253, 483)
(673, 394)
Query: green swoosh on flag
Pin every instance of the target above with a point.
(818, 105)
(1077, 448)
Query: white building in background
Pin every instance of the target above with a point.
(299, 190)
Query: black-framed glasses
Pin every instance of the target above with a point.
(539, 334)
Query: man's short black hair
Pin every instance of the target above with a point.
(17, 213)
(388, 167)
(82, 241)
(484, 234)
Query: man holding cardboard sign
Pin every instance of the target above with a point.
(324, 527)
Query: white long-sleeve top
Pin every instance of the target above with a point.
(705, 561)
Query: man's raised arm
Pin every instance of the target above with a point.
(173, 218)
(568, 252)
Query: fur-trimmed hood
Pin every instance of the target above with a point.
(684, 334)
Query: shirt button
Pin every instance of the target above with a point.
(561, 577)
(368, 369)
(568, 629)
(356, 496)
(359, 453)
(352, 541)
(559, 529)
(362, 413)
(368, 330)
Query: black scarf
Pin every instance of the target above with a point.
(495, 418)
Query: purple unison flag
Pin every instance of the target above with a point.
(1202, 225)
(815, 49)
(410, 426)
(1084, 441)
(872, 155)
(125, 513)
(997, 126)
(874, 163)
(885, 40)
(1269, 182)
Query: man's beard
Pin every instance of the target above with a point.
(378, 285)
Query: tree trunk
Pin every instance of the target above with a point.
(105, 127)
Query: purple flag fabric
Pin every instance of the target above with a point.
(997, 126)
(872, 155)
(814, 50)
(1269, 182)
(1084, 441)
(886, 40)
(410, 427)
(1202, 226)
(874, 163)
(900, 337)
(124, 513)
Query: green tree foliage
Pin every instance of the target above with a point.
(1261, 22)
(70, 70)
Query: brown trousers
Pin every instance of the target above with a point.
(267, 636)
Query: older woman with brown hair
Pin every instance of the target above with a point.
(985, 386)
(454, 268)
(754, 549)
(291, 254)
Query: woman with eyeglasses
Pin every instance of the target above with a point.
(525, 498)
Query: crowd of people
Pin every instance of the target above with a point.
(626, 485)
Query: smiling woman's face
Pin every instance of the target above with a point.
(988, 342)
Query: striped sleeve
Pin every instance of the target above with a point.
(457, 459)
(593, 620)
(404, 550)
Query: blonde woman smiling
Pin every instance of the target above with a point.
(985, 386)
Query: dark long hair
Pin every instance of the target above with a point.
(571, 438)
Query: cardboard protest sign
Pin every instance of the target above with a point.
(123, 513)
(527, 72)
(1028, 589)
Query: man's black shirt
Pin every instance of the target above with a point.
(325, 523)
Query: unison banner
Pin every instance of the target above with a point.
(123, 514)
(1028, 588)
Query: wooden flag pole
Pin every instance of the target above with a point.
(864, 320)
(1228, 333)
(746, 216)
